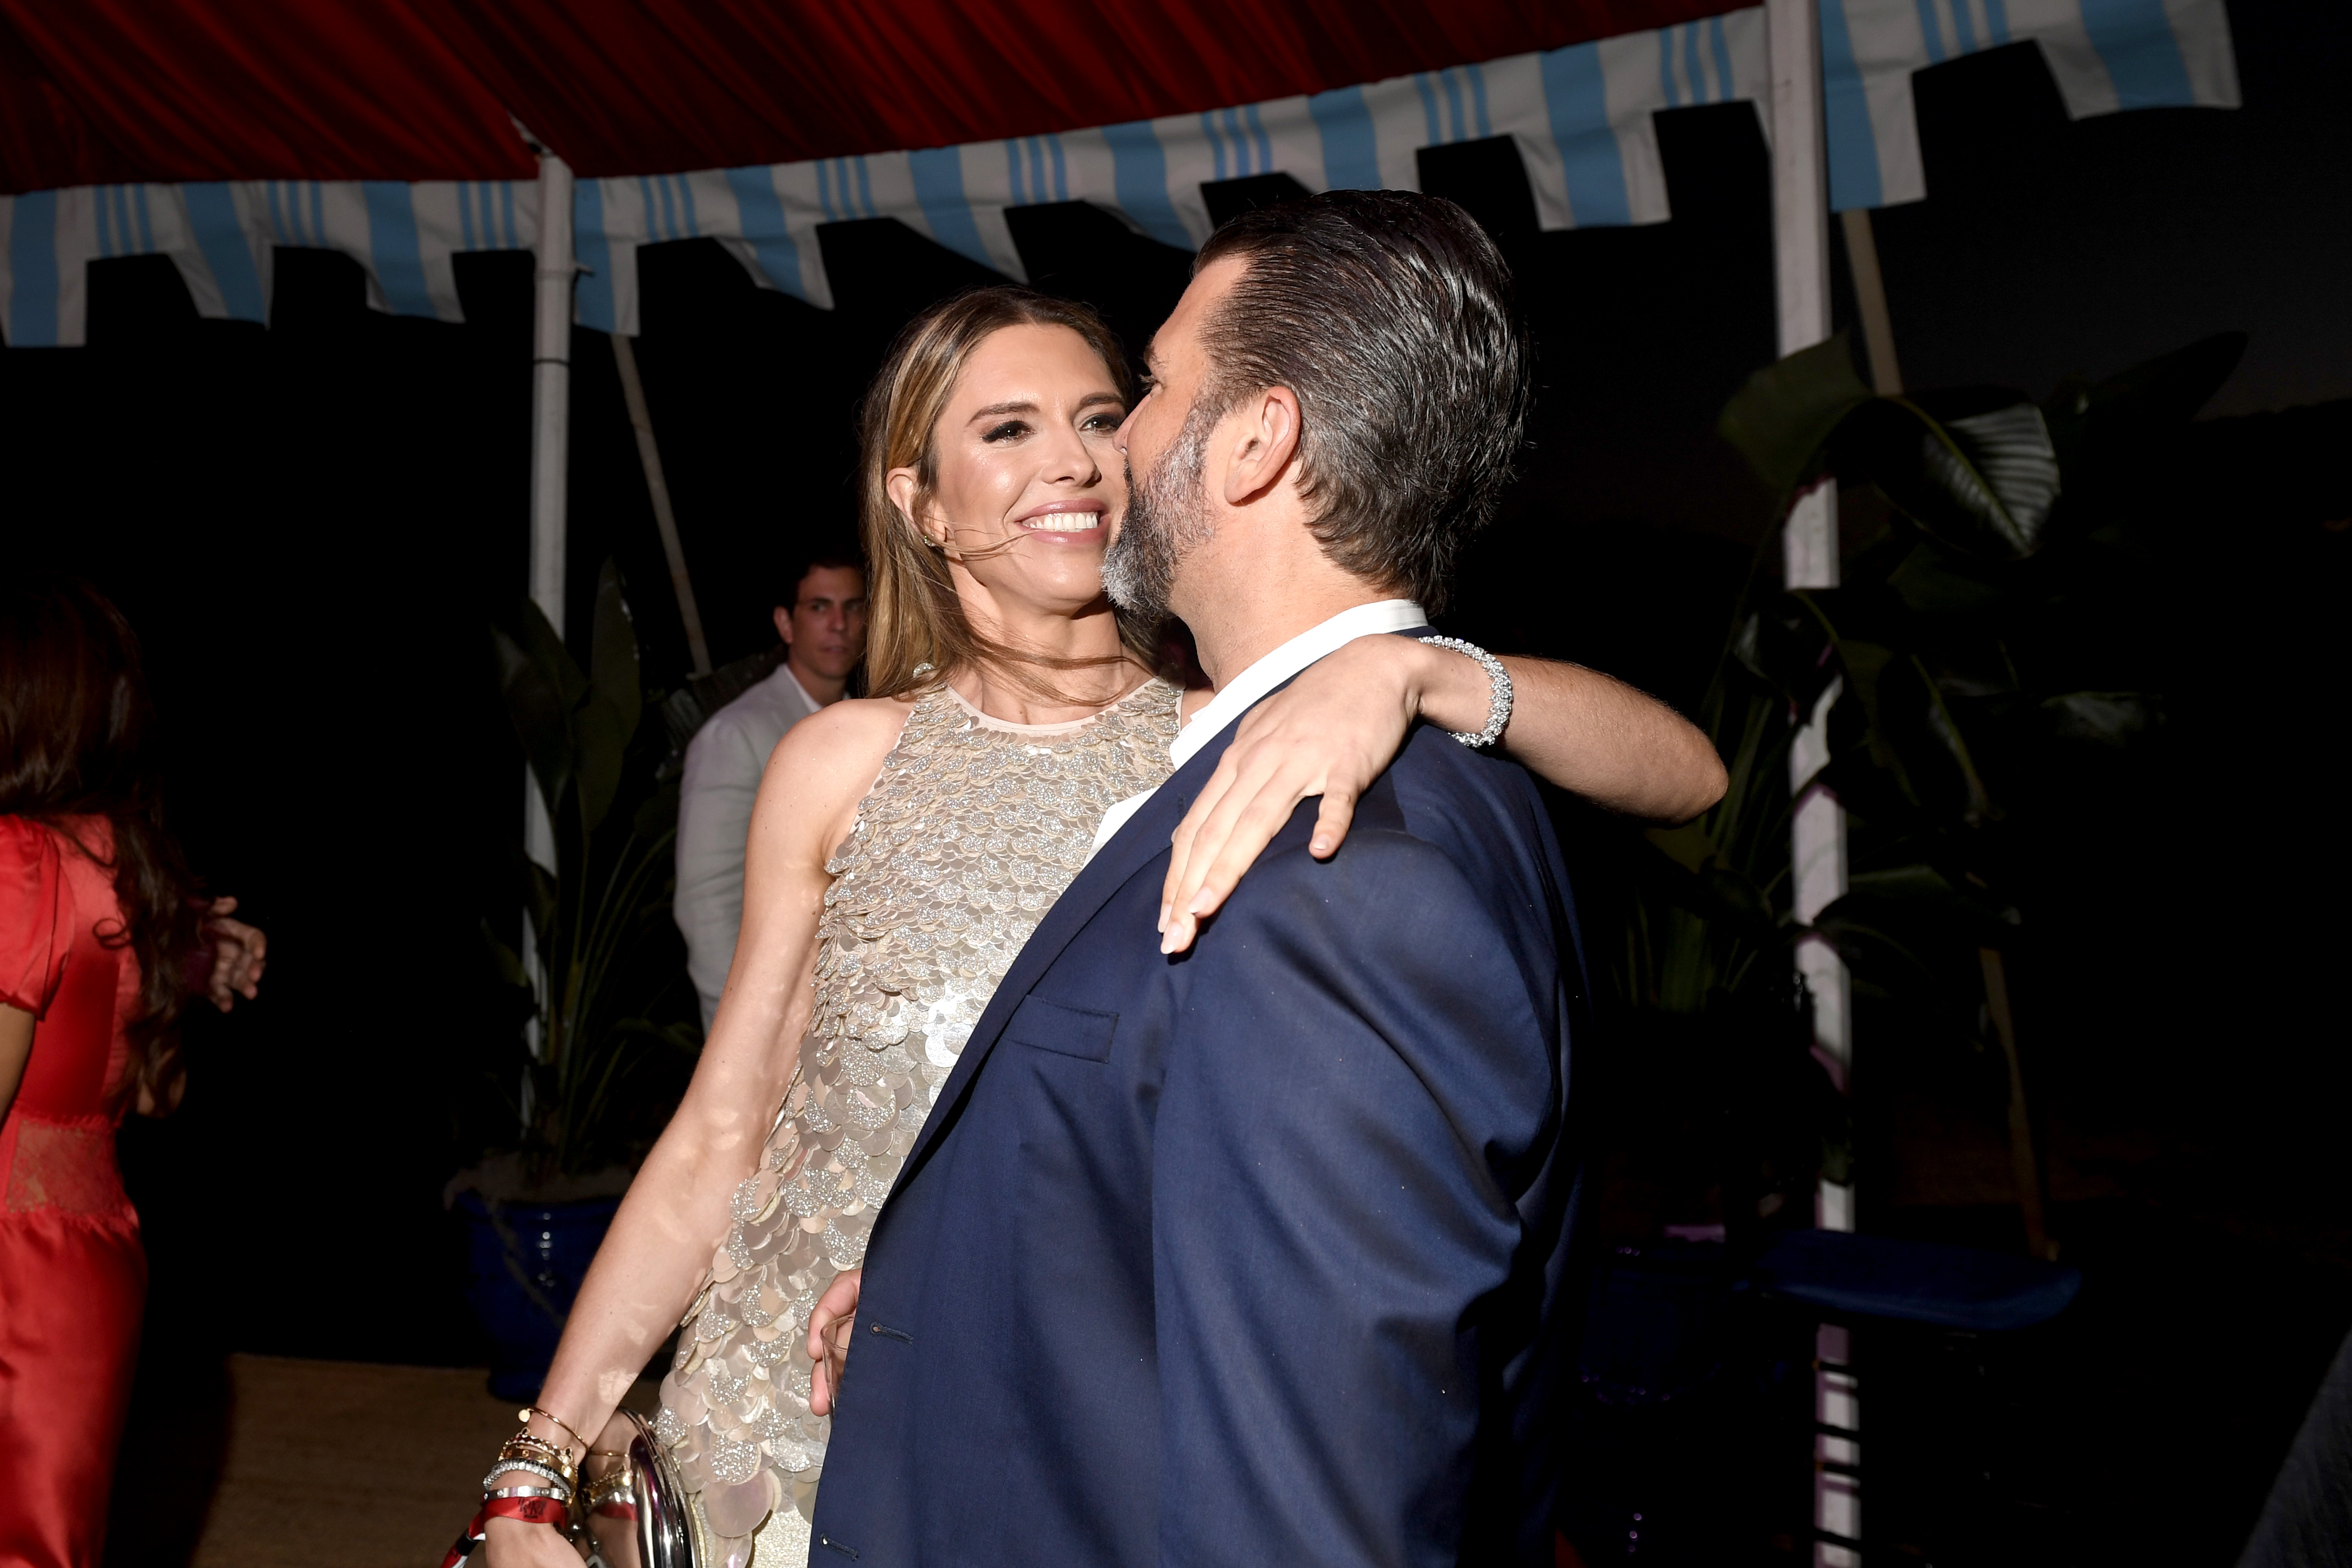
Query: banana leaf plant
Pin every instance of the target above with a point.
(593, 966)
(1969, 653)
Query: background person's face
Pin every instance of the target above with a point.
(825, 626)
(1028, 479)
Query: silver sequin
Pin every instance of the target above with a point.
(970, 832)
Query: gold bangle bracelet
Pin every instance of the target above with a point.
(527, 1411)
(535, 1449)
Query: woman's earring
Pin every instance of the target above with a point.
(922, 533)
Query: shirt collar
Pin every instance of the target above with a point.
(786, 667)
(1244, 690)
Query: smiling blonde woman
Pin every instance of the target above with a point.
(904, 845)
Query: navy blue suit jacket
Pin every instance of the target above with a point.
(1251, 1255)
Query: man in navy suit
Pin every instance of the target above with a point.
(1254, 1254)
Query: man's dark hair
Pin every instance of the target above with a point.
(1389, 314)
(839, 559)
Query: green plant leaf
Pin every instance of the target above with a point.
(2088, 417)
(2107, 718)
(1865, 664)
(605, 719)
(1782, 644)
(1932, 582)
(613, 652)
(2003, 468)
(1946, 728)
(1687, 846)
(1926, 889)
(1786, 413)
(2171, 388)
(1875, 954)
(1728, 894)
(1981, 483)
(600, 965)
(539, 710)
(1890, 920)
(505, 963)
(603, 754)
(541, 901)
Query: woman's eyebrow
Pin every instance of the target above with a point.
(996, 410)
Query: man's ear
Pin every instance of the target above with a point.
(1263, 442)
(784, 623)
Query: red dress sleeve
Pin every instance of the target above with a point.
(33, 944)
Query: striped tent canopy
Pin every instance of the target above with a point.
(1579, 113)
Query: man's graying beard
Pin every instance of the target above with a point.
(1167, 519)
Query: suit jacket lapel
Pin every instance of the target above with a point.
(1135, 845)
(1143, 840)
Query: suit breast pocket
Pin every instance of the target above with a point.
(1063, 1030)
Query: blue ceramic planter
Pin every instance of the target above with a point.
(526, 1264)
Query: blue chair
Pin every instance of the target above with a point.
(1841, 1281)
(1848, 1276)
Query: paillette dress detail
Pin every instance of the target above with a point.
(973, 829)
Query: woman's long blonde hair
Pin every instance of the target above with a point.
(917, 633)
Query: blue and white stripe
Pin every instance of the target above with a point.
(1581, 118)
(2104, 54)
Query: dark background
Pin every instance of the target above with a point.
(313, 525)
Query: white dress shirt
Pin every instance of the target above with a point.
(724, 764)
(1240, 694)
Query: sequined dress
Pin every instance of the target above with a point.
(973, 829)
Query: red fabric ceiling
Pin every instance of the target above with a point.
(98, 91)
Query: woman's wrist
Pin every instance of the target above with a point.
(1455, 693)
(1400, 665)
(547, 1429)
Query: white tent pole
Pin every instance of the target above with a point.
(1801, 234)
(1801, 241)
(550, 434)
(551, 454)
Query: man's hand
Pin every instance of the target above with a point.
(831, 1321)
(240, 953)
(1330, 733)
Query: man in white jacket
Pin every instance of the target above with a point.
(824, 629)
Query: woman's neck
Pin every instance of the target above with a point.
(1108, 675)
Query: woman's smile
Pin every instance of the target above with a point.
(1074, 522)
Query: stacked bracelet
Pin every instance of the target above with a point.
(523, 1446)
(505, 1466)
(1498, 684)
(527, 1411)
(533, 1456)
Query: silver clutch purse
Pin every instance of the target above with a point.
(638, 1514)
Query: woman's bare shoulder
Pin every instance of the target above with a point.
(839, 747)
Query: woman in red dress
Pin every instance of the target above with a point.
(98, 937)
